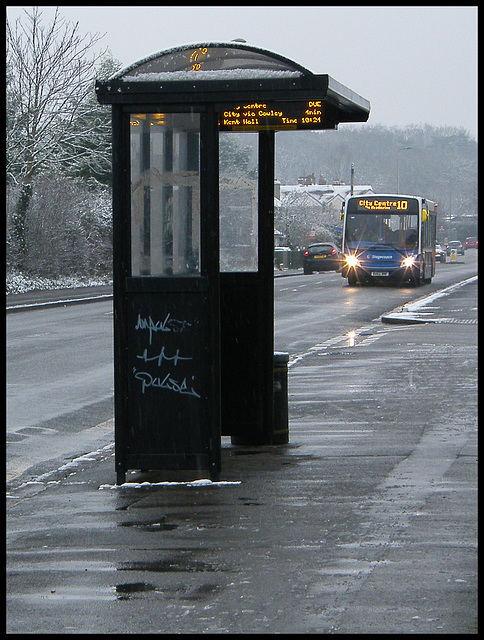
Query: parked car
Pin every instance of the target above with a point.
(471, 243)
(322, 256)
(440, 253)
(455, 244)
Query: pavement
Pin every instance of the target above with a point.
(52, 297)
(366, 522)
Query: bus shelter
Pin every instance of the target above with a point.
(193, 246)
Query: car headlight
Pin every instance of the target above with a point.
(352, 260)
(409, 261)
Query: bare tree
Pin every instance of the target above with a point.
(68, 229)
(295, 217)
(50, 75)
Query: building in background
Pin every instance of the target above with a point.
(308, 212)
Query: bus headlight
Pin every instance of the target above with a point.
(408, 262)
(352, 260)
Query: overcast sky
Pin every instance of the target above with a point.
(416, 65)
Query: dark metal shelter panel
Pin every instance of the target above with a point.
(193, 248)
(167, 391)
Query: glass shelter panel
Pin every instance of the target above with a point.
(165, 194)
(238, 198)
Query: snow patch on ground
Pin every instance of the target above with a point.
(204, 482)
(21, 283)
(414, 312)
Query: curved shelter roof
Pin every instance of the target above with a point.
(228, 72)
(212, 56)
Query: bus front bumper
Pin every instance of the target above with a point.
(381, 273)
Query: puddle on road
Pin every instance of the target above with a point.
(124, 591)
(183, 592)
(246, 452)
(150, 526)
(248, 501)
(171, 565)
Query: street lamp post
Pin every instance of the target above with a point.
(398, 170)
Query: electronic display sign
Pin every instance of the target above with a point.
(394, 204)
(262, 116)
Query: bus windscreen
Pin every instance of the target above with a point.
(392, 229)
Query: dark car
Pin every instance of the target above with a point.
(457, 245)
(440, 254)
(471, 243)
(321, 256)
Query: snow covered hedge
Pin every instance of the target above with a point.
(68, 230)
(21, 283)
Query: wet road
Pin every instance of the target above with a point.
(59, 384)
(320, 306)
(365, 523)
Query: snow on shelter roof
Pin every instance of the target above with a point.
(202, 58)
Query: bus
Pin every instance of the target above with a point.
(389, 238)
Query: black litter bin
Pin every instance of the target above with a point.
(280, 434)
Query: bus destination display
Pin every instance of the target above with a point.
(383, 204)
(260, 116)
